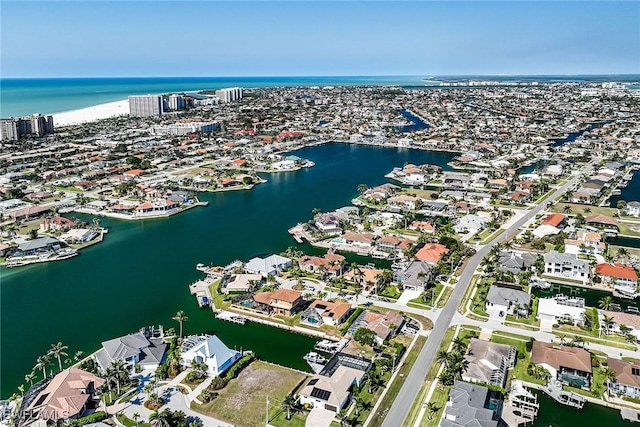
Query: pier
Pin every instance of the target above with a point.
(629, 414)
(230, 317)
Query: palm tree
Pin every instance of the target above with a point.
(610, 377)
(606, 303)
(30, 377)
(41, 363)
(567, 209)
(21, 389)
(180, 317)
(289, 405)
(608, 322)
(443, 358)
(362, 188)
(136, 417)
(57, 350)
(77, 356)
(160, 419)
(119, 372)
(587, 210)
(622, 253)
(458, 345)
(432, 408)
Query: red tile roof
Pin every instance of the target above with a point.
(431, 252)
(616, 270)
(554, 219)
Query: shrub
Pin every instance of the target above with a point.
(595, 363)
(218, 383)
(351, 319)
(239, 366)
(89, 419)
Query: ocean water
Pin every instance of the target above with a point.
(53, 95)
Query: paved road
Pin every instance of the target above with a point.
(402, 404)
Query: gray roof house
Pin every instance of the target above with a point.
(132, 349)
(411, 277)
(502, 301)
(39, 245)
(515, 263)
(468, 406)
(566, 266)
(489, 362)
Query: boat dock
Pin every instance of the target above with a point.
(567, 398)
(331, 346)
(629, 414)
(231, 317)
(201, 290)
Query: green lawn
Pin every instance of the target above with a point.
(467, 294)
(391, 292)
(218, 297)
(520, 370)
(489, 238)
(446, 293)
(128, 422)
(297, 420)
(398, 382)
(243, 400)
(613, 340)
(440, 397)
(424, 300)
(578, 208)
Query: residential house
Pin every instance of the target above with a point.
(328, 223)
(38, 246)
(132, 349)
(627, 378)
(269, 266)
(621, 323)
(516, 262)
(392, 244)
(78, 235)
(431, 253)
(566, 266)
(326, 312)
(585, 242)
(555, 220)
(568, 365)
(331, 264)
(632, 208)
(331, 388)
(363, 240)
(69, 394)
(560, 308)
(489, 362)
(503, 301)
(57, 223)
(240, 283)
(283, 302)
(618, 274)
(209, 350)
(602, 222)
(470, 224)
(385, 325)
(422, 226)
(472, 405)
(415, 276)
(404, 202)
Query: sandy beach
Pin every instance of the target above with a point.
(90, 114)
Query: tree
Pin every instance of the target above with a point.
(161, 419)
(587, 210)
(119, 372)
(289, 405)
(21, 389)
(608, 322)
(41, 363)
(77, 356)
(432, 408)
(33, 234)
(57, 350)
(458, 345)
(30, 377)
(610, 377)
(365, 336)
(567, 209)
(136, 417)
(606, 303)
(180, 317)
(362, 188)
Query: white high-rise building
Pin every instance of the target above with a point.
(145, 105)
(230, 94)
(176, 102)
(15, 128)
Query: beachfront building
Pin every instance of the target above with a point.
(627, 378)
(331, 388)
(145, 105)
(230, 94)
(209, 350)
(37, 125)
(132, 349)
(176, 102)
(567, 365)
(241, 283)
(472, 405)
(566, 266)
(489, 362)
(69, 395)
(632, 208)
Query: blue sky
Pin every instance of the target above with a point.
(169, 38)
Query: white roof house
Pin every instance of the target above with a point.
(470, 224)
(545, 230)
(560, 307)
(270, 265)
(209, 350)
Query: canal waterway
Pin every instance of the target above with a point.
(553, 414)
(591, 296)
(139, 275)
(629, 193)
(415, 122)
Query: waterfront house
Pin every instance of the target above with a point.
(209, 350)
(385, 325)
(585, 242)
(404, 202)
(621, 323)
(627, 378)
(392, 244)
(283, 302)
(566, 266)
(363, 240)
(328, 223)
(415, 276)
(40, 245)
(132, 349)
(78, 235)
(560, 309)
(503, 301)
(602, 222)
(422, 226)
(269, 266)
(331, 388)
(632, 208)
(489, 362)
(331, 264)
(568, 365)
(431, 253)
(516, 262)
(456, 180)
(472, 405)
(57, 223)
(241, 283)
(618, 274)
(472, 224)
(326, 312)
(69, 395)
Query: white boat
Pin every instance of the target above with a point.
(536, 282)
(626, 291)
(314, 357)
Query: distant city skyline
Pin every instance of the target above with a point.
(94, 39)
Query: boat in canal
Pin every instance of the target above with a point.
(313, 357)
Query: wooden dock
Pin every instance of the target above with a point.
(629, 414)
(231, 317)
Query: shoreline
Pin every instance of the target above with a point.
(91, 114)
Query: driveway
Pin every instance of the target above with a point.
(319, 417)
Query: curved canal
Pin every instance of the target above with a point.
(140, 274)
